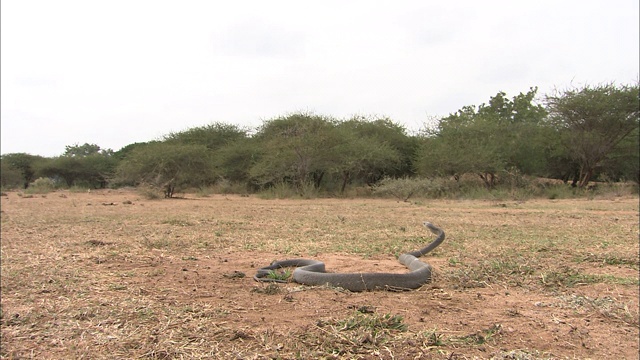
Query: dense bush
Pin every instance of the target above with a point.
(494, 150)
(41, 186)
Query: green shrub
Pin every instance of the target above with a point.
(205, 191)
(226, 186)
(284, 190)
(41, 186)
(406, 187)
(10, 178)
(149, 193)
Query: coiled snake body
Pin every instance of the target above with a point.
(312, 272)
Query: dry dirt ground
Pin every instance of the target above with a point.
(111, 275)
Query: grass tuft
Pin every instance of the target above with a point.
(569, 277)
(480, 337)
(372, 322)
(283, 275)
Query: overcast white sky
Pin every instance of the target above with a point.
(118, 72)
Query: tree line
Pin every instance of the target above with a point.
(576, 135)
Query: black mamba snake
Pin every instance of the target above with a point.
(312, 272)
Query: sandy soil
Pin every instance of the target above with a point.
(109, 274)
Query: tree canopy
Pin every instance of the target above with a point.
(214, 136)
(588, 133)
(161, 164)
(593, 122)
(486, 139)
(19, 168)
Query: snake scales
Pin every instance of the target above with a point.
(312, 272)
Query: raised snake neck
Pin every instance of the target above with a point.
(312, 272)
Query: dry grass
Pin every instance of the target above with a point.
(113, 275)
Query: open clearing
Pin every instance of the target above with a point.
(108, 274)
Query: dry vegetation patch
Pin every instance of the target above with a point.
(162, 279)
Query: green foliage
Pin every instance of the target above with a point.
(41, 186)
(487, 139)
(297, 149)
(91, 171)
(25, 164)
(85, 150)
(235, 159)
(223, 186)
(63, 168)
(161, 164)
(594, 122)
(370, 150)
(213, 136)
(623, 163)
(126, 150)
(303, 148)
(284, 190)
(405, 188)
(279, 275)
(390, 136)
(10, 177)
(582, 134)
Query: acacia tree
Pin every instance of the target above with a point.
(234, 160)
(94, 170)
(10, 177)
(367, 151)
(505, 133)
(213, 136)
(385, 133)
(84, 165)
(84, 150)
(63, 168)
(623, 164)
(461, 146)
(128, 149)
(594, 122)
(25, 164)
(167, 166)
(299, 148)
(521, 135)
